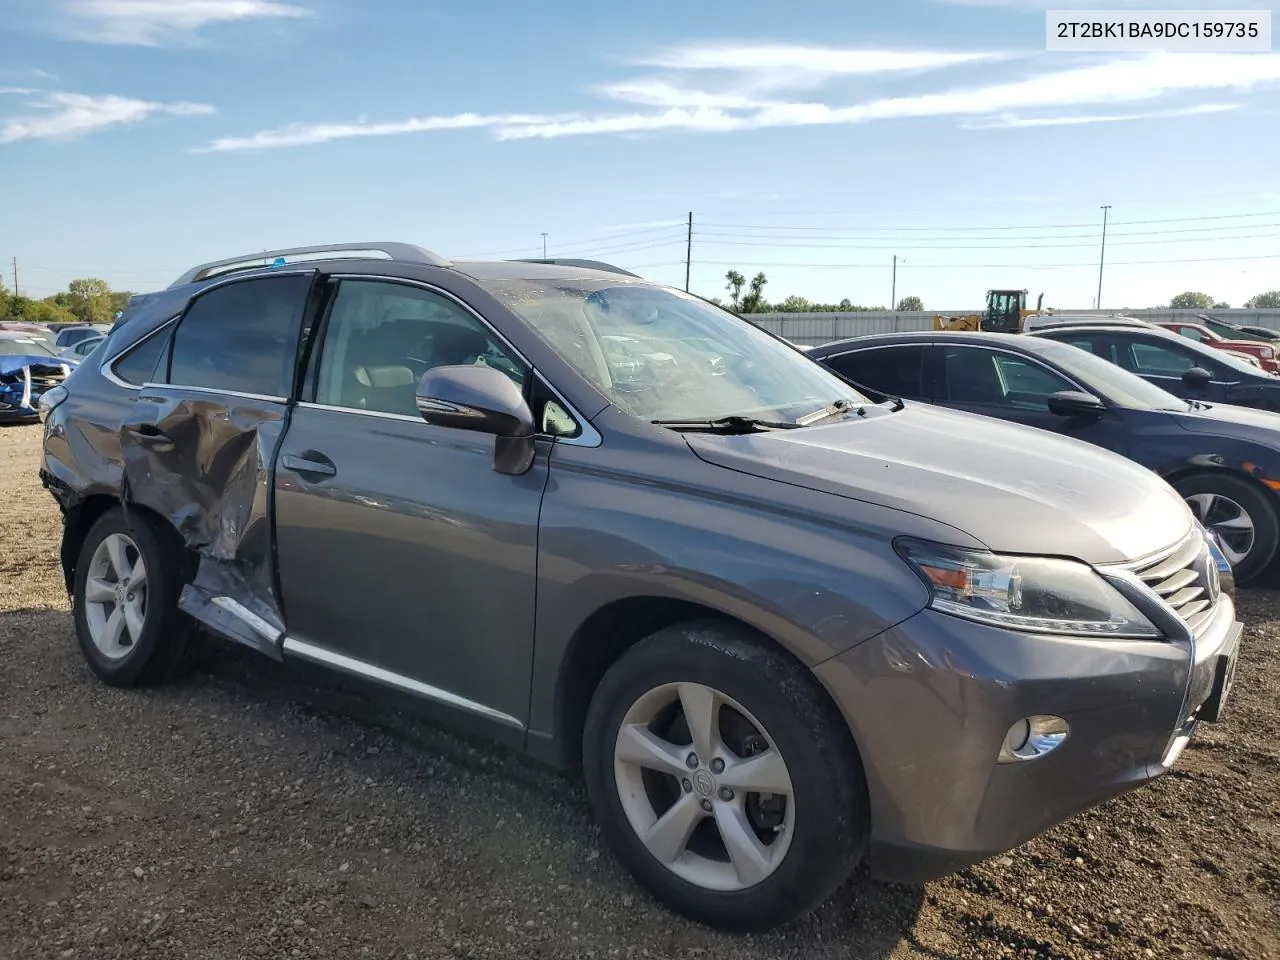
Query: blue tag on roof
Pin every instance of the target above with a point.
(277, 262)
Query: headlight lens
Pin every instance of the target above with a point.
(1034, 594)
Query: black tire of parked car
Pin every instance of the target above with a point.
(832, 821)
(1261, 509)
(170, 642)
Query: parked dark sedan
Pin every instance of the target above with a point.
(1224, 460)
(1181, 366)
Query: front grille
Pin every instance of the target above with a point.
(44, 376)
(1184, 579)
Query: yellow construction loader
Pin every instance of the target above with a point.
(1006, 311)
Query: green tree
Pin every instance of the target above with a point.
(797, 304)
(910, 303)
(90, 300)
(1190, 300)
(5, 300)
(754, 301)
(26, 310)
(1265, 301)
(734, 286)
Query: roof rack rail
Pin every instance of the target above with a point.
(405, 252)
(588, 264)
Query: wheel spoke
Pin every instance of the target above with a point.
(763, 773)
(138, 576)
(1239, 522)
(97, 590)
(669, 837)
(750, 857)
(1233, 555)
(639, 745)
(133, 619)
(119, 557)
(114, 628)
(701, 707)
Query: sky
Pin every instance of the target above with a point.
(811, 140)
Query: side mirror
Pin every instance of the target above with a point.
(483, 400)
(1197, 377)
(1074, 403)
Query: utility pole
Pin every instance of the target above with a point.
(544, 246)
(688, 253)
(15, 276)
(1102, 257)
(893, 297)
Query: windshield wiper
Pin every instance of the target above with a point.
(730, 424)
(831, 410)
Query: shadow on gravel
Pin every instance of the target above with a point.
(864, 920)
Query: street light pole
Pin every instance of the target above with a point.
(893, 297)
(1102, 257)
(544, 246)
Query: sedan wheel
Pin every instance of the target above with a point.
(1239, 514)
(704, 787)
(116, 596)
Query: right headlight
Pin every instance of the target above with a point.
(1031, 594)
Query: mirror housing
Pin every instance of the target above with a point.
(482, 400)
(1075, 403)
(1197, 377)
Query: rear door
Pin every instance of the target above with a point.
(404, 556)
(1163, 361)
(199, 443)
(897, 370)
(1015, 387)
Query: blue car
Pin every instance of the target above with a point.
(28, 367)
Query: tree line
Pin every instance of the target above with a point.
(84, 301)
(1192, 300)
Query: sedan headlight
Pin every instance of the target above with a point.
(1030, 594)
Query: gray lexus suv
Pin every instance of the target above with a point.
(779, 627)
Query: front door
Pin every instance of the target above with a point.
(1014, 387)
(1164, 362)
(403, 555)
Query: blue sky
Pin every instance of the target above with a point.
(812, 140)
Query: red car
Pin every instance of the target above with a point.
(1264, 353)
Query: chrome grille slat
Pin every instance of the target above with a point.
(1184, 577)
(1179, 578)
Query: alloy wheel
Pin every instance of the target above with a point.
(704, 787)
(1227, 521)
(115, 596)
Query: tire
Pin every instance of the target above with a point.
(167, 641)
(1227, 497)
(825, 823)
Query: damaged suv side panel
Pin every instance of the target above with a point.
(198, 446)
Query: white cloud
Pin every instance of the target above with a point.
(155, 22)
(1008, 121)
(64, 115)
(752, 94)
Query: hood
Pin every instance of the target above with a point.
(14, 364)
(1016, 489)
(1225, 419)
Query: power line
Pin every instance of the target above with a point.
(1043, 226)
(1091, 235)
(608, 238)
(994, 246)
(977, 266)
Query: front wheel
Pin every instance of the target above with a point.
(1240, 517)
(722, 778)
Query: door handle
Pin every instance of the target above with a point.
(316, 464)
(149, 433)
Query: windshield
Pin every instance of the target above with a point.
(1114, 383)
(24, 348)
(660, 354)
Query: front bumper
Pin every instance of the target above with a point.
(930, 701)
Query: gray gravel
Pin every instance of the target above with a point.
(255, 810)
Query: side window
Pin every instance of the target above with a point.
(982, 378)
(1191, 333)
(242, 337)
(382, 337)
(138, 366)
(898, 371)
(1162, 360)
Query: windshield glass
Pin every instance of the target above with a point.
(1114, 383)
(660, 354)
(24, 348)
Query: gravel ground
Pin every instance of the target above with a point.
(262, 811)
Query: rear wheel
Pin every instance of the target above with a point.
(1239, 516)
(722, 777)
(128, 577)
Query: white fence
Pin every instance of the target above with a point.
(811, 329)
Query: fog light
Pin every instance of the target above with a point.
(1033, 737)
